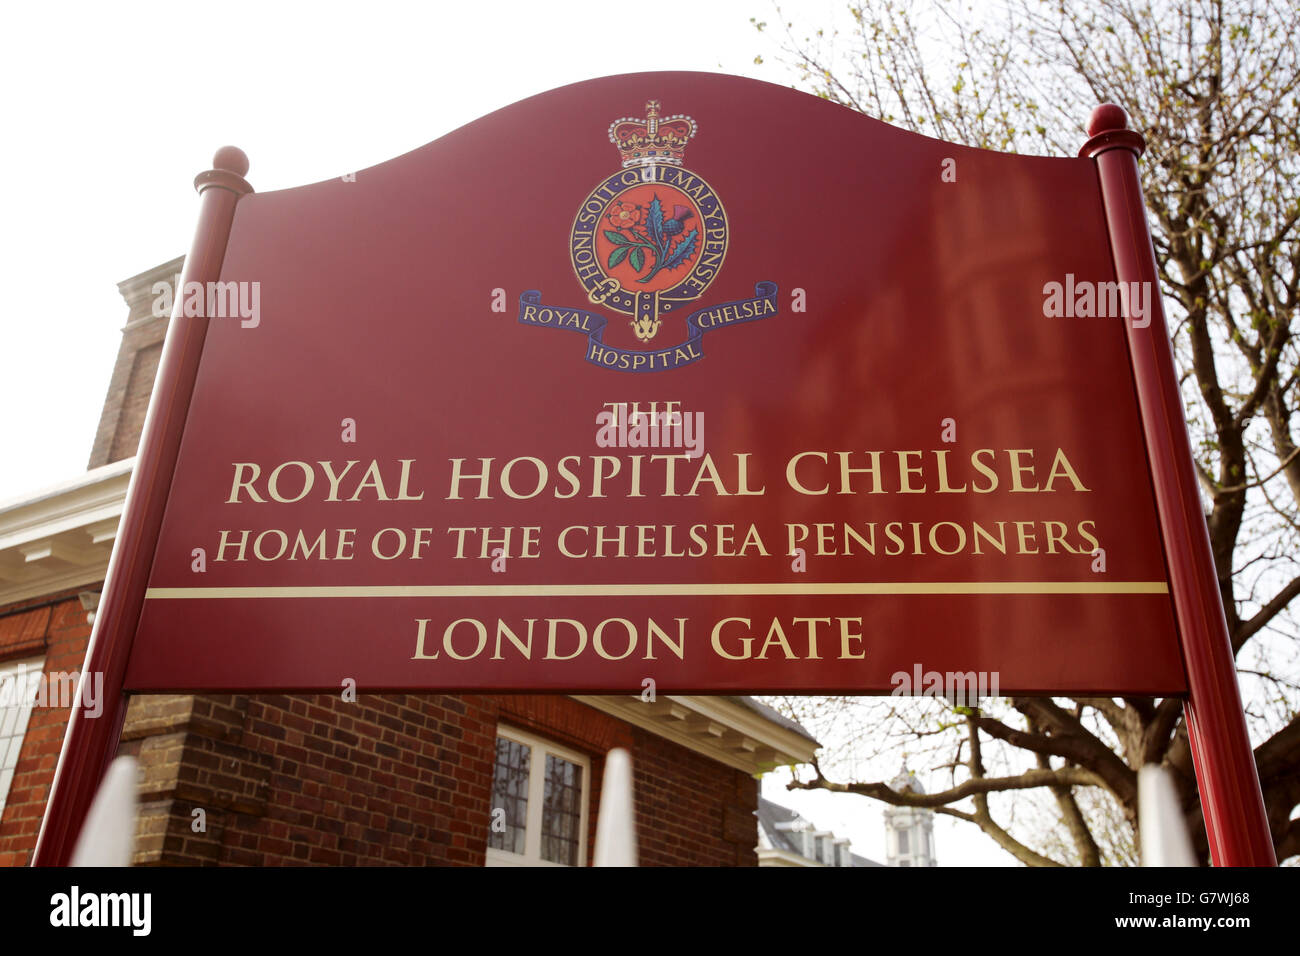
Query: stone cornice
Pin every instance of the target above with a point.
(61, 536)
(716, 727)
(138, 290)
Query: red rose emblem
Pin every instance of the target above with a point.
(625, 215)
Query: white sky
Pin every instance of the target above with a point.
(109, 111)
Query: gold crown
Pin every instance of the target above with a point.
(655, 139)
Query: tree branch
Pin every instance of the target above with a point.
(1071, 776)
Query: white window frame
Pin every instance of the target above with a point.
(21, 680)
(539, 748)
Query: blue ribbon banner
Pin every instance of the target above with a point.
(592, 325)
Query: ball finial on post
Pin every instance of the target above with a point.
(229, 166)
(1108, 129)
(1106, 118)
(232, 159)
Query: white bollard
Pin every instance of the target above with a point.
(108, 835)
(616, 824)
(1160, 820)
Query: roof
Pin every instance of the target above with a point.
(770, 814)
(775, 716)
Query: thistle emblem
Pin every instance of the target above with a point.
(645, 237)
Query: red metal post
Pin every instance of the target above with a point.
(1231, 801)
(91, 742)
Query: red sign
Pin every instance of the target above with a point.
(670, 376)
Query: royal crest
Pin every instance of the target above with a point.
(647, 242)
(654, 139)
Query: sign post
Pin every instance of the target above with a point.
(91, 742)
(1236, 824)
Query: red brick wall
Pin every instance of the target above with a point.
(133, 372)
(309, 779)
(60, 632)
(397, 780)
(692, 811)
(134, 402)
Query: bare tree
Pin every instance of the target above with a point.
(1214, 87)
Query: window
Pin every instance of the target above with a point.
(902, 841)
(18, 684)
(539, 803)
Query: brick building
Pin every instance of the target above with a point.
(313, 779)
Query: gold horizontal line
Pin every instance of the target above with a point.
(666, 590)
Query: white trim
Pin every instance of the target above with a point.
(60, 497)
(61, 536)
(770, 856)
(540, 747)
(716, 727)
